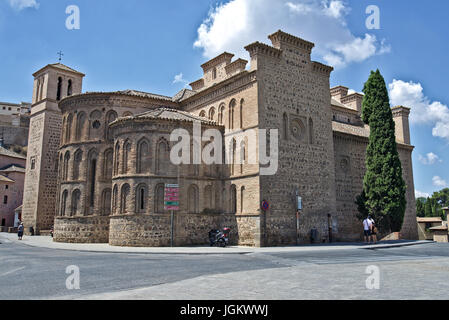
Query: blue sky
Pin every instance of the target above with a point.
(158, 46)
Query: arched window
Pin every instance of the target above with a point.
(60, 168)
(66, 166)
(115, 200)
(285, 126)
(68, 128)
(143, 156)
(59, 90)
(141, 198)
(233, 199)
(124, 199)
(92, 176)
(208, 197)
(108, 164)
(212, 114)
(163, 157)
(221, 114)
(242, 159)
(69, 88)
(64, 197)
(41, 94)
(106, 202)
(233, 154)
(311, 131)
(242, 103)
(214, 73)
(126, 168)
(231, 113)
(117, 159)
(76, 198)
(192, 199)
(110, 117)
(81, 124)
(218, 196)
(242, 199)
(159, 198)
(203, 114)
(64, 128)
(77, 160)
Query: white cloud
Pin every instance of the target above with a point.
(424, 111)
(419, 194)
(231, 26)
(429, 159)
(23, 4)
(179, 78)
(439, 182)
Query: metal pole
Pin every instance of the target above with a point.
(172, 227)
(297, 227)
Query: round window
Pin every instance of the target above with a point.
(297, 129)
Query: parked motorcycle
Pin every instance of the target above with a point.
(219, 238)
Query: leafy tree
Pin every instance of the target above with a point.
(428, 208)
(383, 184)
(433, 206)
(420, 203)
(360, 201)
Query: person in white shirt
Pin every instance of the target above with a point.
(367, 225)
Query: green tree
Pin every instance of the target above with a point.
(428, 208)
(383, 184)
(420, 203)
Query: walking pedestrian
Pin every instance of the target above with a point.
(20, 231)
(373, 230)
(367, 229)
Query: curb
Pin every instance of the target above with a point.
(398, 245)
(271, 250)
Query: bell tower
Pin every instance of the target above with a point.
(52, 83)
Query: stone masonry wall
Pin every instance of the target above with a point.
(189, 229)
(294, 98)
(350, 169)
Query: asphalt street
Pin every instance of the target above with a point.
(39, 273)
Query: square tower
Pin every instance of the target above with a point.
(51, 84)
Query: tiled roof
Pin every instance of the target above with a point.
(9, 153)
(64, 67)
(13, 168)
(170, 114)
(4, 179)
(337, 103)
(183, 94)
(440, 228)
(429, 219)
(351, 129)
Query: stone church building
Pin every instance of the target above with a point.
(98, 161)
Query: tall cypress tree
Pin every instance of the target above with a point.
(383, 184)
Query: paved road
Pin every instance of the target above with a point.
(38, 273)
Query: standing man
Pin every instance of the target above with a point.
(20, 231)
(367, 225)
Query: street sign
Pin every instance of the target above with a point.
(265, 205)
(299, 203)
(171, 197)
